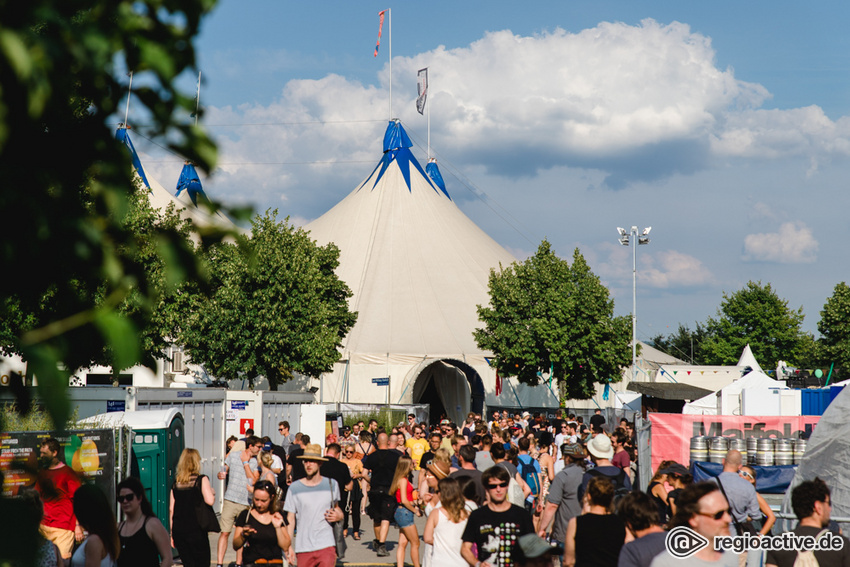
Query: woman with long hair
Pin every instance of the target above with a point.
(261, 530)
(94, 514)
(190, 489)
(266, 473)
(144, 539)
(355, 469)
(402, 487)
(445, 525)
(595, 537)
(658, 492)
(765, 523)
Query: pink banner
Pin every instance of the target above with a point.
(672, 432)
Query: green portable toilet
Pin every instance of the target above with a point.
(157, 442)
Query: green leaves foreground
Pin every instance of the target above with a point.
(546, 314)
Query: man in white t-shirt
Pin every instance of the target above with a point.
(312, 504)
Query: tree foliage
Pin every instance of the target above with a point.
(684, 343)
(834, 327)
(277, 307)
(66, 183)
(757, 316)
(546, 314)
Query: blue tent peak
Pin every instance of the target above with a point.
(191, 183)
(395, 138)
(397, 149)
(436, 177)
(123, 136)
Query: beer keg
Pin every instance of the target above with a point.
(699, 449)
(764, 451)
(752, 445)
(717, 447)
(799, 450)
(783, 452)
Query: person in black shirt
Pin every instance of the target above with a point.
(495, 528)
(597, 419)
(295, 466)
(382, 504)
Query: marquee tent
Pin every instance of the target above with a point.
(417, 267)
(708, 405)
(749, 359)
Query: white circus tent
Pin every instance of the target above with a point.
(417, 267)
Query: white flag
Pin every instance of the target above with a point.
(422, 75)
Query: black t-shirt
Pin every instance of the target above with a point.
(496, 534)
(597, 419)
(382, 464)
(786, 558)
(337, 471)
(261, 545)
(297, 464)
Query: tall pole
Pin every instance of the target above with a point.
(634, 302)
(391, 60)
(129, 92)
(198, 99)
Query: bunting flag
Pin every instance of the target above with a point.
(498, 383)
(380, 29)
(422, 76)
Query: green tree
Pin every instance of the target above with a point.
(546, 314)
(754, 315)
(62, 79)
(834, 327)
(278, 307)
(684, 343)
(154, 325)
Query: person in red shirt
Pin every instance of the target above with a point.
(621, 456)
(57, 483)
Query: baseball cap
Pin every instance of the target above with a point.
(267, 446)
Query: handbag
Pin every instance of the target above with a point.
(339, 539)
(204, 513)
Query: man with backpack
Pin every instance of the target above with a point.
(812, 504)
(529, 470)
(601, 451)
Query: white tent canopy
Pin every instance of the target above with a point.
(417, 267)
(708, 405)
(748, 359)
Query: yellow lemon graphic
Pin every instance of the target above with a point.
(85, 458)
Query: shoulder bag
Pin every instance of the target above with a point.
(204, 513)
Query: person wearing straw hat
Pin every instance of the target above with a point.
(313, 506)
(601, 452)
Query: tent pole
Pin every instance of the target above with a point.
(391, 60)
(129, 92)
(198, 99)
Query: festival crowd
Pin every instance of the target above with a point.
(514, 490)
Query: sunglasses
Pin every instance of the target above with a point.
(125, 498)
(717, 515)
(745, 474)
(494, 486)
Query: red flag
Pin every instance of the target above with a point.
(498, 384)
(380, 29)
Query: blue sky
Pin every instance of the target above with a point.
(723, 125)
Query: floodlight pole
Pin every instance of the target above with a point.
(635, 239)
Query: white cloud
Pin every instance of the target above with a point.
(637, 103)
(663, 269)
(794, 243)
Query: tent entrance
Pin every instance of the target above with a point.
(451, 388)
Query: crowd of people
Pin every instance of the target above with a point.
(511, 491)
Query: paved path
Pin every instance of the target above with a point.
(359, 553)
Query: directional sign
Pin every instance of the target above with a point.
(381, 381)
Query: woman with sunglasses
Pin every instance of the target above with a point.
(190, 490)
(260, 531)
(355, 497)
(765, 523)
(144, 540)
(94, 514)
